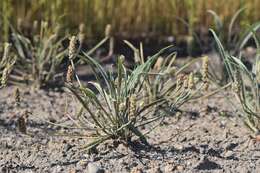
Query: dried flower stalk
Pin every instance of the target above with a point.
(22, 122)
(191, 81)
(17, 97)
(205, 72)
(69, 75)
(132, 107)
(72, 47)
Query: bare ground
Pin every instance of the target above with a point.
(208, 137)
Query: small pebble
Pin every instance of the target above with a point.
(180, 168)
(178, 147)
(94, 168)
(229, 155)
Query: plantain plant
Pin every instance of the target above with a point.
(166, 80)
(116, 112)
(234, 41)
(245, 84)
(38, 60)
(116, 103)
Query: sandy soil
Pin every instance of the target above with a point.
(201, 140)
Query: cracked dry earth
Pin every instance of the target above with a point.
(201, 140)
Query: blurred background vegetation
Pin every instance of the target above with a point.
(129, 18)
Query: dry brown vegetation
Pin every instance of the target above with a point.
(134, 17)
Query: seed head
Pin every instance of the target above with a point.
(4, 77)
(69, 76)
(22, 122)
(132, 107)
(205, 72)
(72, 47)
(7, 47)
(22, 125)
(17, 97)
(236, 85)
(205, 69)
(191, 81)
(108, 30)
(186, 82)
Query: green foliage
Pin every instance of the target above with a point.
(233, 40)
(117, 102)
(38, 59)
(165, 80)
(245, 84)
(118, 112)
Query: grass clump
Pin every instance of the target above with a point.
(245, 84)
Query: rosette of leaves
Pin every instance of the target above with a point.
(114, 102)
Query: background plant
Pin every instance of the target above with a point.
(133, 18)
(234, 37)
(38, 59)
(245, 84)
